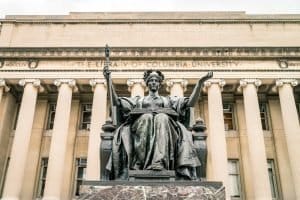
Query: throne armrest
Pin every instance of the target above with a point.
(199, 138)
(107, 137)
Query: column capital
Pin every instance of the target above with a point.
(35, 82)
(220, 82)
(93, 82)
(70, 82)
(171, 82)
(132, 82)
(244, 82)
(281, 82)
(3, 85)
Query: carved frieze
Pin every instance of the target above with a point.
(173, 65)
(152, 52)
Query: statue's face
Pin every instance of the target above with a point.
(153, 83)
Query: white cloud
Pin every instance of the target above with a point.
(13, 7)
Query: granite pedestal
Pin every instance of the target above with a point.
(145, 190)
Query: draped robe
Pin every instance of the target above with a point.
(152, 137)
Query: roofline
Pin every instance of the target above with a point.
(154, 17)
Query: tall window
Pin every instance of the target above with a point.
(80, 174)
(86, 113)
(228, 116)
(272, 178)
(234, 179)
(51, 115)
(264, 116)
(42, 177)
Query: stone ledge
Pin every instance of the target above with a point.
(151, 175)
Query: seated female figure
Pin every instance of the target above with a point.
(152, 135)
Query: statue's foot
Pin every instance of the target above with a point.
(157, 167)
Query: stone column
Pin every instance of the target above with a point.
(291, 127)
(256, 145)
(3, 88)
(282, 155)
(20, 146)
(98, 119)
(58, 148)
(176, 87)
(136, 87)
(216, 132)
(33, 156)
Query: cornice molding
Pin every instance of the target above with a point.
(153, 18)
(149, 52)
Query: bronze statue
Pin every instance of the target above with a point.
(152, 134)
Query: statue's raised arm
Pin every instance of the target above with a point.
(107, 75)
(197, 89)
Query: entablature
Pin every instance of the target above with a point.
(151, 52)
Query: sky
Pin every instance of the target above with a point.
(63, 7)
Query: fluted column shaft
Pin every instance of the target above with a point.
(136, 87)
(291, 127)
(3, 88)
(256, 145)
(1, 93)
(20, 146)
(176, 87)
(97, 120)
(57, 155)
(216, 132)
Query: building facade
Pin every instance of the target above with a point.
(53, 98)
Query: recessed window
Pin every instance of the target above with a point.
(228, 116)
(85, 119)
(272, 178)
(80, 174)
(234, 179)
(264, 116)
(42, 177)
(51, 116)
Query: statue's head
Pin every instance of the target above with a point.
(150, 73)
(153, 79)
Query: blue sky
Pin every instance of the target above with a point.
(13, 7)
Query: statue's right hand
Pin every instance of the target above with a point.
(106, 72)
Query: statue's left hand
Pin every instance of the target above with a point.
(210, 74)
(206, 77)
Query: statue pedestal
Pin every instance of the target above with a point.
(142, 190)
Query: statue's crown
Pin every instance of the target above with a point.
(148, 74)
(154, 73)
